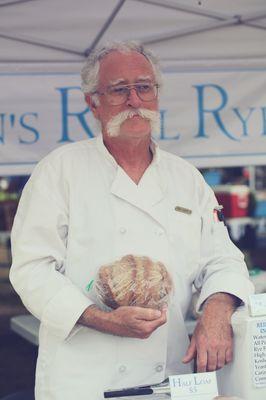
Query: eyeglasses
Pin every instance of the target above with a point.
(119, 94)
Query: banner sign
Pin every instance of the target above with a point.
(209, 117)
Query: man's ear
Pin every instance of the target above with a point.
(91, 104)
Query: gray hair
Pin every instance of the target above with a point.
(90, 71)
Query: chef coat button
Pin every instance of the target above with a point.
(159, 368)
(122, 229)
(122, 369)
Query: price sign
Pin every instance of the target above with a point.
(257, 304)
(202, 386)
(258, 343)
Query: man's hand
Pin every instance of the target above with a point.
(136, 322)
(212, 341)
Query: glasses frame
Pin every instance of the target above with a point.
(129, 86)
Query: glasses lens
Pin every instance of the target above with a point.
(146, 91)
(117, 95)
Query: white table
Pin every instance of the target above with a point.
(26, 326)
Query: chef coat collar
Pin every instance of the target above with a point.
(104, 151)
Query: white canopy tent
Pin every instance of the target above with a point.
(66, 31)
(210, 44)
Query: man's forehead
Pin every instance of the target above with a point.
(139, 78)
(123, 67)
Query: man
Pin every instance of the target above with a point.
(90, 203)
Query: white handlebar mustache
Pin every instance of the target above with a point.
(114, 125)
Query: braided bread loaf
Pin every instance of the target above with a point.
(133, 281)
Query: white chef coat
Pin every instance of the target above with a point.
(80, 210)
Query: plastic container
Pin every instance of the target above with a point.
(245, 377)
(234, 199)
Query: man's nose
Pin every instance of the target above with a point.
(133, 99)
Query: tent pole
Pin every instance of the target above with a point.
(255, 25)
(14, 2)
(235, 20)
(104, 27)
(205, 13)
(33, 42)
(189, 31)
(187, 9)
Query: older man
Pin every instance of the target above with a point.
(92, 202)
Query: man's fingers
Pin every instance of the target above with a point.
(136, 322)
(191, 352)
(159, 321)
(145, 328)
(202, 359)
(228, 355)
(221, 359)
(147, 314)
(150, 327)
(212, 360)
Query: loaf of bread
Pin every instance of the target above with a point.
(134, 281)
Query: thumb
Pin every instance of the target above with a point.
(147, 314)
(191, 352)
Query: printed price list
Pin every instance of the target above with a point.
(259, 352)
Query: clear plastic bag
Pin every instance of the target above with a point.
(133, 281)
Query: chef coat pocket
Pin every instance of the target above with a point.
(141, 361)
(92, 353)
